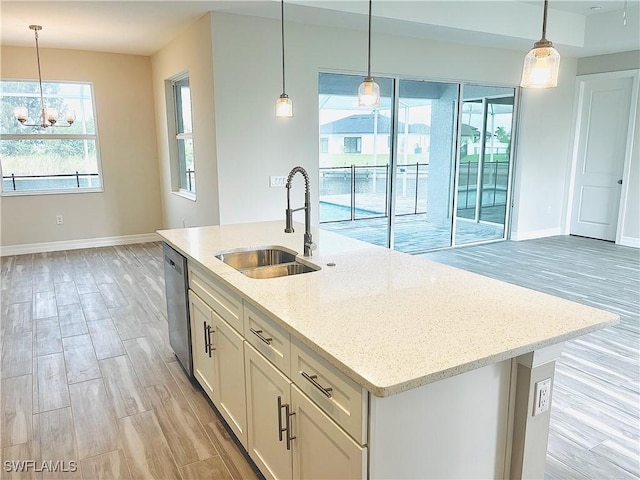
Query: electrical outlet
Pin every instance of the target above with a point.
(277, 181)
(542, 396)
(59, 220)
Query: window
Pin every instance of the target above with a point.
(37, 160)
(324, 145)
(352, 144)
(184, 135)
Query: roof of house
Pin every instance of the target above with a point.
(364, 124)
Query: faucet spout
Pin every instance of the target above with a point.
(308, 240)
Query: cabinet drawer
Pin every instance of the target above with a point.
(268, 338)
(336, 394)
(226, 304)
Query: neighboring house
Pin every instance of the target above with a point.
(356, 133)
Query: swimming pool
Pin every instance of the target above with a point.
(330, 212)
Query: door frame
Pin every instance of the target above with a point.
(578, 106)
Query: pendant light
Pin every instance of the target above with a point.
(369, 90)
(542, 63)
(48, 116)
(284, 106)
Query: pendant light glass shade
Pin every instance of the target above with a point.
(369, 93)
(369, 90)
(541, 68)
(542, 63)
(284, 106)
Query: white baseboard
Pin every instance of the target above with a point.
(630, 242)
(548, 232)
(75, 244)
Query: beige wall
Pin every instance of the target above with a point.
(130, 203)
(190, 51)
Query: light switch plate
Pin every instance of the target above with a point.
(277, 181)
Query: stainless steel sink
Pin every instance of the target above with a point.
(281, 270)
(245, 259)
(270, 262)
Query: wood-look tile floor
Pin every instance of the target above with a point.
(87, 374)
(595, 425)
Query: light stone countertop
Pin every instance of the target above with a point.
(390, 321)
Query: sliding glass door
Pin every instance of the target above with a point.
(390, 175)
(355, 159)
(487, 115)
(423, 181)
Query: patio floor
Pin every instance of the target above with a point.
(413, 233)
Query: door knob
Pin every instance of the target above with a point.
(620, 182)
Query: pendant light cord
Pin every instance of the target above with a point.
(282, 21)
(544, 20)
(40, 79)
(369, 46)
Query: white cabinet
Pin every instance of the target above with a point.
(321, 449)
(228, 380)
(201, 317)
(290, 436)
(265, 418)
(218, 363)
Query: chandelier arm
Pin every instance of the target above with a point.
(40, 81)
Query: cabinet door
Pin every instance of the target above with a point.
(229, 385)
(264, 385)
(202, 327)
(321, 449)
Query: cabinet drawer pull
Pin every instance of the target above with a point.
(258, 333)
(312, 378)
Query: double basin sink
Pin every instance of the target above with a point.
(268, 262)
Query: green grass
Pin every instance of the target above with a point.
(37, 165)
(497, 157)
(365, 159)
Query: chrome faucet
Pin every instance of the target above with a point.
(309, 246)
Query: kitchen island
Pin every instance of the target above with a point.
(432, 370)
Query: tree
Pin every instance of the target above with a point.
(502, 135)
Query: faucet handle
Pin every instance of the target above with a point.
(313, 246)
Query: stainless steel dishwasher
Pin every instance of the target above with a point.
(176, 286)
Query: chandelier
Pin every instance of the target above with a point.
(48, 116)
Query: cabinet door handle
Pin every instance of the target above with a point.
(258, 333)
(312, 378)
(206, 343)
(208, 339)
(288, 414)
(281, 430)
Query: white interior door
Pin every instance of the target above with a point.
(603, 124)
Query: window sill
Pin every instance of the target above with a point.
(185, 194)
(26, 193)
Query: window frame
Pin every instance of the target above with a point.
(358, 146)
(61, 136)
(175, 137)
